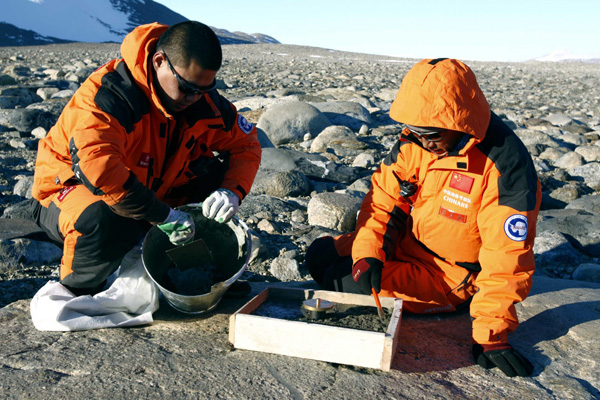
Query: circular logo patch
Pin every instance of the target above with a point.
(244, 125)
(515, 227)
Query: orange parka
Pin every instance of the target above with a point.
(116, 138)
(474, 209)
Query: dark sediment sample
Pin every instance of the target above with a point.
(363, 318)
(192, 281)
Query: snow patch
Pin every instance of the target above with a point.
(90, 22)
(566, 55)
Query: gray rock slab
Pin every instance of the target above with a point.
(558, 119)
(590, 203)
(11, 228)
(589, 172)
(554, 255)
(582, 228)
(254, 204)
(589, 153)
(347, 113)
(588, 273)
(26, 119)
(312, 165)
(181, 356)
(34, 251)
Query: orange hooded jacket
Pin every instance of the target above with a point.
(116, 138)
(475, 208)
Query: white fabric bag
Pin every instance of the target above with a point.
(129, 300)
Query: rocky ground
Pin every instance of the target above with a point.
(323, 123)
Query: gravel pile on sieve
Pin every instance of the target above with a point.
(363, 318)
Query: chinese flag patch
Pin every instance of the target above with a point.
(461, 182)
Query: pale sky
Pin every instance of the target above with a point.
(508, 30)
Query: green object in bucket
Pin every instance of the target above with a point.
(229, 244)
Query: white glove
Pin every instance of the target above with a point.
(221, 205)
(179, 227)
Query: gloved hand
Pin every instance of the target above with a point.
(179, 227)
(221, 205)
(503, 356)
(367, 273)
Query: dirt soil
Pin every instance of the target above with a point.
(192, 281)
(363, 318)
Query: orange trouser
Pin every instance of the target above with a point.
(426, 283)
(94, 238)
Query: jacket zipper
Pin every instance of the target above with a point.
(150, 173)
(167, 149)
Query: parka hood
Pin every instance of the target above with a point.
(136, 48)
(442, 93)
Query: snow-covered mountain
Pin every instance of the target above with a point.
(566, 55)
(33, 22)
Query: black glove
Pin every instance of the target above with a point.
(367, 273)
(503, 356)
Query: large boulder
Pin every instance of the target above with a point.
(339, 140)
(334, 210)
(290, 121)
(280, 183)
(347, 113)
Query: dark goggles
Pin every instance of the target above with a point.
(186, 87)
(427, 134)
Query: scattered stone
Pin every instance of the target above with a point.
(589, 172)
(294, 94)
(23, 186)
(280, 183)
(286, 268)
(36, 252)
(26, 119)
(364, 160)
(588, 273)
(268, 226)
(589, 203)
(39, 132)
(334, 211)
(6, 80)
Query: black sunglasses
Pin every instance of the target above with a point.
(189, 88)
(430, 137)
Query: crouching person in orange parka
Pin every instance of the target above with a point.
(144, 134)
(450, 215)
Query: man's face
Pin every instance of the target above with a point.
(179, 87)
(439, 143)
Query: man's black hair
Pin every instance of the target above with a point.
(190, 41)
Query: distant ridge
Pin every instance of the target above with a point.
(566, 56)
(10, 35)
(36, 22)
